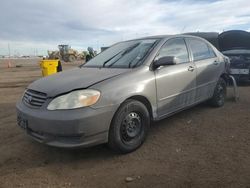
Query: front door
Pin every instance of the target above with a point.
(176, 84)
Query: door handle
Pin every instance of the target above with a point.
(191, 68)
(216, 62)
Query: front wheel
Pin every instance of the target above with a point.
(129, 127)
(219, 95)
(72, 58)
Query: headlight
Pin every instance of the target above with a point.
(75, 99)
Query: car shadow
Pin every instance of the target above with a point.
(28, 154)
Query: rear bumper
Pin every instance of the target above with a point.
(82, 127)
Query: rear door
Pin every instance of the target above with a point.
(207, 65)
(175, 83)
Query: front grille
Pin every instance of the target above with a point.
(34, 98)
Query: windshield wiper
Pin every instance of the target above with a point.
(103, 65)
(139, 61)
(125, 52)
(129, 49)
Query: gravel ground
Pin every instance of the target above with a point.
(199, 147)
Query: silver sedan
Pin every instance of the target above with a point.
(113, 97)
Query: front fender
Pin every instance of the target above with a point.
(138, 82)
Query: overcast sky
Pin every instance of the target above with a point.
(38, 25)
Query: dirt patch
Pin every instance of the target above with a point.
(199, 147)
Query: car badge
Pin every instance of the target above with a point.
(30, 99)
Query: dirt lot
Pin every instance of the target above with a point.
(199, 147)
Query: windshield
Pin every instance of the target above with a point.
(127, 54)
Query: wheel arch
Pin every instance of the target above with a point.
(141, 99)
(115, 143)
(225, 77)
(144, 101)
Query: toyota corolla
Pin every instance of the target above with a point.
(113, 97)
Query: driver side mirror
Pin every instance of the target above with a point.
(163, 61)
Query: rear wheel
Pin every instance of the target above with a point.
(129, 127)
(219, 95)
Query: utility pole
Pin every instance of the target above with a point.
(9, 63)
(9, 49)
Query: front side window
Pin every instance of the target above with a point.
(200, 49)
(126, 54)
(177, 48)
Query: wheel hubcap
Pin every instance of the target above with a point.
(131, 126)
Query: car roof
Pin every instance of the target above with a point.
(167, 37)
(212, 37)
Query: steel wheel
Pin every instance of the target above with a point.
(219, 95)
(129, 127)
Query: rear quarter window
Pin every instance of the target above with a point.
(200, 49)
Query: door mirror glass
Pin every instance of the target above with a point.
(167, 60)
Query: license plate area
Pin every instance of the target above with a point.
(239, 71)
(22, 122)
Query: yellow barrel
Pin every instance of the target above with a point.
(49, 66)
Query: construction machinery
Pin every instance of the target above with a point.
(53, 54)
(65, 53)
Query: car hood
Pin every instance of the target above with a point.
(77, 78)
(234, 39)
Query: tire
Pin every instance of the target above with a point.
(129, 127)
(71, 58)
(65, 59)
(219, 96)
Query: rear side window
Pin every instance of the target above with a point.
(200, 49)
(175, 47)
(211, 51)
